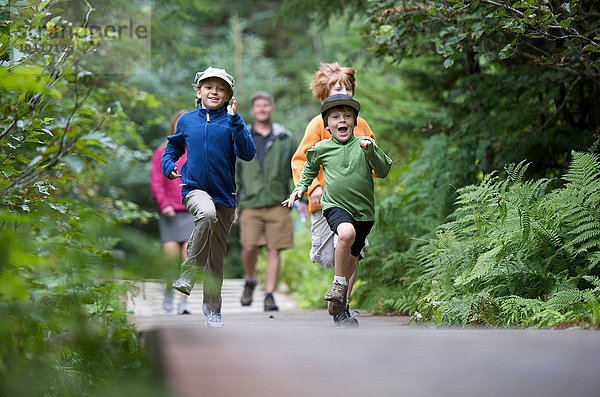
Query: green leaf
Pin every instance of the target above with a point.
(508, 50)
(13, 287)
(565, 23)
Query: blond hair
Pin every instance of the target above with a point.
(328, 75)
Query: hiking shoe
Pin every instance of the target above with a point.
(182, 307)
(246, 299)
(213, 319)
(337, 292)
(345, 320)
(270, 305)
(334, 307)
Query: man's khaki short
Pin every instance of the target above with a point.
(270, 226)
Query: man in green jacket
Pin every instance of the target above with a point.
(261, 184)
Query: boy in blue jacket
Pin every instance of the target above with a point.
(214, 135)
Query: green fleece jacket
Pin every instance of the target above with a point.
(347, 169)
(259, 187)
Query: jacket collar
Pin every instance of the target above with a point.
(352, 138)
(211, 112)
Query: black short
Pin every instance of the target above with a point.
(336, 216)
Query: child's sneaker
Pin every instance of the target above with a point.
(334, 307)
(246, 299)
(270, 303)
(182, 307)
(345, 320)
(213, 319)
(337, 292)
(168, 301)
(184, 284)
(185, 281)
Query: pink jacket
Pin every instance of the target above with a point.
(166, 192)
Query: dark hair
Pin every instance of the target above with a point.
(341, 108)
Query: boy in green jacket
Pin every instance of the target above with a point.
(348, 199)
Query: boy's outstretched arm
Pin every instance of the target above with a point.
(295, 195)
(378, 160)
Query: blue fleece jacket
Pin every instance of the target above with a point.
(213, 139)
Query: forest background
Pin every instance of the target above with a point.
(490, 110)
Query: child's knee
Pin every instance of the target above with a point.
(346, 233)
(206, 215)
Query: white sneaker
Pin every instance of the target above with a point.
(182, 307)
(213, 319)
(168, 302)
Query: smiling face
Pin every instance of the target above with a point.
(340, 122)
(214, 92)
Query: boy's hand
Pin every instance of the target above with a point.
(289, 202)
(232, 109)
(364, 143)
(174, 174)
(315, 195)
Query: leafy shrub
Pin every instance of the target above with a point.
(518, 253)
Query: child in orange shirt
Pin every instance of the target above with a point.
(330, 79)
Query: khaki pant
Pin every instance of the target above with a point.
(208, 243)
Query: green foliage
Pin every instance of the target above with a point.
(524, 73)
(511, 254)
(417, 199)
(63, 320)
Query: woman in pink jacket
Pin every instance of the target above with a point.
(175, 224)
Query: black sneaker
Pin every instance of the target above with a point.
(246, 299)
(270, 305)
(345, 320)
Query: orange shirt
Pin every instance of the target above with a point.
(315, 132)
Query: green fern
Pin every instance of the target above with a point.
(577, 207)
(565, 298)
(516, 172)
(515, 310)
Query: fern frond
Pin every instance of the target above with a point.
(552, 234)
(584, 169)
(514, 310)
(594, 280)
(593, 260)
(516, 172)
(485, 263)
(565, 298)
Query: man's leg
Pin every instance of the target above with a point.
(249, 259)
(272, 270)
(279, 232)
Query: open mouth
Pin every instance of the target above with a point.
(343, 130)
